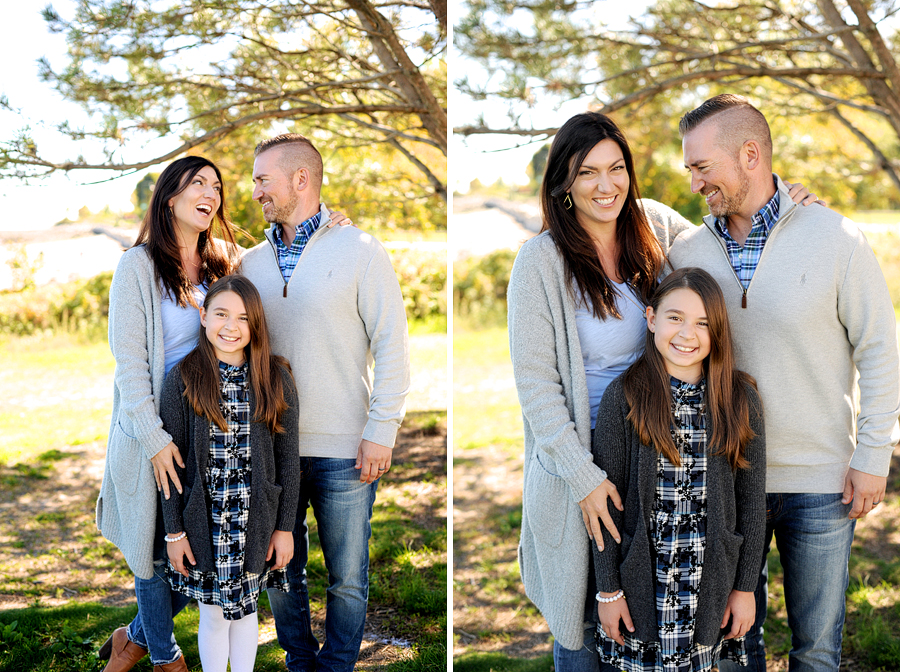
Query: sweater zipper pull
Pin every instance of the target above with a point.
(743, 298)
(284, 293)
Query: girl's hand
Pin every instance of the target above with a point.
(800, 194)
(282, 546)
(741, 609)
(177, 550)
(164, 463)
(594, 506)
(339, 219)
(611, 613)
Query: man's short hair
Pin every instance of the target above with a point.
(297, 152)
(738, 122)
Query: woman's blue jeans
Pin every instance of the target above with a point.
(153, 627)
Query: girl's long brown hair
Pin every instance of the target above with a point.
(641, 256)
(158, 233)
(200, 368)
(647, 389)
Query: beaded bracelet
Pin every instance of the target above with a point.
(606, 600)
(178, 537)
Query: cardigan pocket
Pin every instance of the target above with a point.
(547, 504)
(125, 460)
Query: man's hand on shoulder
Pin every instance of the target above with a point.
(864, 490)
(372, 460)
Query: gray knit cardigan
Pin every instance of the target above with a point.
(559, 472)
(126, 507)
(735, 524)
(274, 486)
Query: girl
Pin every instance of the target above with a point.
(680, 433)
(233, 406)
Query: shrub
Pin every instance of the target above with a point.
(479, 286)
(423, 281)
(81, 306)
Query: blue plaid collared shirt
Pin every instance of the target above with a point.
(289, 256)
(744, 260)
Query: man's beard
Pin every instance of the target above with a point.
(731, 205)
(281, 213)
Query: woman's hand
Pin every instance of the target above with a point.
(802, 195)
(340, 219)
(594, 506)
(282, 546)
(741, 609)
(164, 463)
(177, 550)
(611, 613)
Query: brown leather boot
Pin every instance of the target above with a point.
(175, 666)
(123, 653)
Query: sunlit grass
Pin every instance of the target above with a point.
(485, 405)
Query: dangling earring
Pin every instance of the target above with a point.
(567, 201)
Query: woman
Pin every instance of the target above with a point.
(153, 323)
(576, 321)
(185, 244)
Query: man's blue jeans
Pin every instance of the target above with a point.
(813, 534)
(158, 604)
(343, 509)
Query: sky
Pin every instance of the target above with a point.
(47, 201)
(492, 157)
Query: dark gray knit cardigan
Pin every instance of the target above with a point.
(274, 488)
(735, 528)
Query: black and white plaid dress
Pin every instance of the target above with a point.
(679, 535)
(228, 480)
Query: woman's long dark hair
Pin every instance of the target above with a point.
(641, 256)
(200, 368)
(158, 233)
(646, 382)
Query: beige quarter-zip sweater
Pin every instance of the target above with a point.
(341, 313)
(817, 314)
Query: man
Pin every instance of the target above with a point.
(810, 309)
(333, 304)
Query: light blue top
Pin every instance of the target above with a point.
(181, 326)
(609, 346)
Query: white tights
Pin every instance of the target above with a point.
(220, 640)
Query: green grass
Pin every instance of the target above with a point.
(485, 413)
(497, 662)
(65, 639)
(49, 410)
